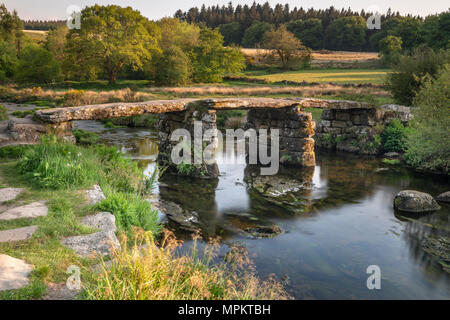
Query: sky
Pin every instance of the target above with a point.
(155, 9)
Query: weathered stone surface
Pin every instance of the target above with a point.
(95, 194)
(60, 292)
(13, 273)
(251, 226)
(117, 110)
(444, 197)
(8, 194)
(439, 247)
(32, 210)
(101, 243)
(392, 111)
(104, 221)
(332, 104)
(415, 201)
(19, 234)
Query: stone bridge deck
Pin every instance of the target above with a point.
(117, 110)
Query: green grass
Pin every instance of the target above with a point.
(3, 113)
(341, 76)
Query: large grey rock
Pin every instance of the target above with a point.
(8, 194)
(101, 243)
(186, 220)
(444, 197)
(19, 234)
(104, 221)
(415, 201)
(32, 210)
(13, 273)
(95, 194)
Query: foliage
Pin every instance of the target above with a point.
(172, 67)
(348, 33)
(8, 60)
(254, 35)
(211, 61)
(11, 28)
(394, 137)
(3, 113)
(232, 33)
(408, 29)
(56, 42)
(391, 162)
(85, 138)
(179, 34)
(37, 65)
(112, 37)
(428, 143)
(130, 210)
(390, 50)
(186, 169)
(287, 47)
(309, 31)
(147, 271)
(435, 30)
(413, 70)
(223, 117)
(13, 152)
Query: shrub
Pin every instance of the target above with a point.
(172, 67)
(235, 123)
(429, 149)
(390, 50)
(152, 272)
(130, 210)
(85, 138)
(3, 113)
(8, 60)
(394, 137)
(36, 65)
(413, 70)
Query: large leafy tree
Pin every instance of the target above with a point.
(310, 32)
(110, 38)
(254, 35)
(11, 28)
(347, 33)
(37, 65)
(211, 61)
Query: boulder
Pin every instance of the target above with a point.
(95, 194)
(32, 210)
(13, 273)
(101, 243)
(251, 226)
(104, 221)
(186, 220)
(8, 194)
(444, 197)
(415, 201)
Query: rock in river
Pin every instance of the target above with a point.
(444, 197)
(415, 201)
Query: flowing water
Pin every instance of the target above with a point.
(336, 224)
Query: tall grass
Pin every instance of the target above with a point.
(150, 272)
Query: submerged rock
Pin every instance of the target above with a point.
(415, 201)
(251, 226)
(439, 247)
(444, 197)
(185, 219)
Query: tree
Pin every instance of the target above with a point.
(11, 28)
(112, 37)
(310, 32)
(172, 67)
(56, 42)
(254, 35)
(8, 60)
(347, 33)
(211, 61)
(36, 65)
(390, 50)
(413, 70)
(284, 44)
(232, 33)
(176, 33)
(428, 142)
(436, 31)
(409, 29)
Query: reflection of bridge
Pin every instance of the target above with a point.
(295, 126)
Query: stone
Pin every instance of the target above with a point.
(104, 221)
(251, 226)
(391, 155)
(13, 273)
(444, 197)
(8, 194)
(60, 292)
(95, 194)
(19, 234)
(102, 243)
(32, 210)
(328, 114)
(415, 202)
(339, 124)
(342, 115)
(186, 220)
(439, 247)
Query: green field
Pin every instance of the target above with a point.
(326, 75)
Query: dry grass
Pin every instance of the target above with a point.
(323, 55)
(149, 272)
(305, 91)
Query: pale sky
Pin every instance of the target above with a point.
(56, 9)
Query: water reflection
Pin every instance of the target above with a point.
(337, 220)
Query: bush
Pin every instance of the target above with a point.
(3, 113)
(394, 137)
(429, 147)
(85, 138)
(36, 65)
(8, 60)
(390, 50)
(130, 210)
(413, 70)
